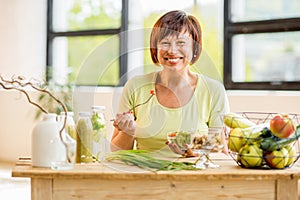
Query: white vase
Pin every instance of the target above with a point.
(47, 146)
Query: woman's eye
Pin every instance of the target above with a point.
(165, 44)
(181, 43)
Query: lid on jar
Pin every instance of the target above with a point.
(98, 107)
(84, 114)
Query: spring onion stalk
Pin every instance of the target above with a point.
(143, 159)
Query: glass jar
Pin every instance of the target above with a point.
(84, 128)
(99, 132)
(68, 141)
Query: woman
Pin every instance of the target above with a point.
(184, 100)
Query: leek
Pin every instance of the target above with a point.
(143, 159)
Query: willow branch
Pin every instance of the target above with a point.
(26, 94)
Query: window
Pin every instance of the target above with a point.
(87, 41)
(106, 42)
(262, 44)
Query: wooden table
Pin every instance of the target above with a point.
(118, 181)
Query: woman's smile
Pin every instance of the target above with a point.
(173, 60)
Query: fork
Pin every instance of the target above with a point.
(152, 92)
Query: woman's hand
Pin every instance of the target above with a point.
(225, 142)
(187, 153)
(125, 122)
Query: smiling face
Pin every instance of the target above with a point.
(175, 51)
(173, 36)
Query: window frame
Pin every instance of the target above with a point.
(121, 32)
(250, 27)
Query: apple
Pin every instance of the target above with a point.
(277, 159)
(282, 126)
(237, 138)
(250, 156)
(292, 154)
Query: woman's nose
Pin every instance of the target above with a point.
(172, 48)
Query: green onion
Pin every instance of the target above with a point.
(143, 159)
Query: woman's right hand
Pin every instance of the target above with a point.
(125, 122)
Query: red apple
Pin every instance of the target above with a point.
(277, 159)
(282, 126)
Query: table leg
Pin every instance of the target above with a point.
(41, 189)
(287, 189)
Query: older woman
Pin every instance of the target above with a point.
(184, 100)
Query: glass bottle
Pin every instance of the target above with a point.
(69, 136)
(84, 138)
(99, 132)
(70, 124)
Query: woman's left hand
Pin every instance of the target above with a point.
(187, 153)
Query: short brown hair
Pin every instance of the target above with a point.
(173, 23)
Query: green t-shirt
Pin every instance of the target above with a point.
(154, 121)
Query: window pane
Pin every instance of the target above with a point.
(90, 60)
(272, 57)
(74, 15)
(255, 10)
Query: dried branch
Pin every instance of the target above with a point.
(19, 82)
(4, 86)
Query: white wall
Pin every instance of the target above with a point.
(265, 101)
(23, 37)
(22, 52)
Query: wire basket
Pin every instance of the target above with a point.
(252, 145)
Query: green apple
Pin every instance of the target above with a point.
(250, 156)
(277, 159)
(292, 154)
(237, 138)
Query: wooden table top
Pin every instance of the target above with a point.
(228, 170)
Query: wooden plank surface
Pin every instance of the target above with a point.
(119, 181)
(228, 170)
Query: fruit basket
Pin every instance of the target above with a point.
(261, 140)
